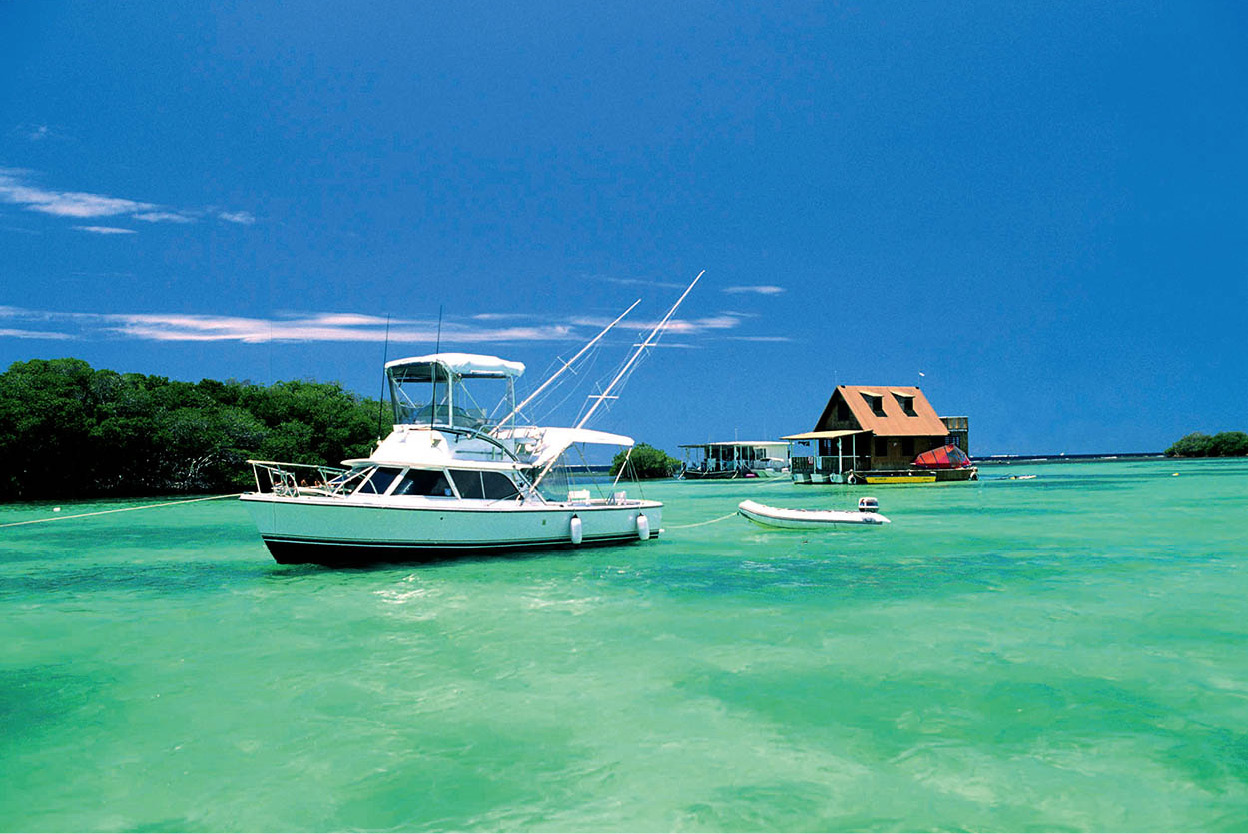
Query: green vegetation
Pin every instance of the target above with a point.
(1227, 444)
(69, 431)
(646, 462)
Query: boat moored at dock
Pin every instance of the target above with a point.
(726, 460)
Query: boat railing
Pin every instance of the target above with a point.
(831, 464)
(299, 479)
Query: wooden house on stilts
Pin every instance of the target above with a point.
(881, 434)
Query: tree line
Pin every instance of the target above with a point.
(1226, 444)
(70, 431)
(645, 462)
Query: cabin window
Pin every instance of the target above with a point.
(488, 485)
(424, 482)
(842, 411)
(881, 447)
(379, 481)
(907, 447)
(496, 485)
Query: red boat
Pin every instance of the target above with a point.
(946, 457)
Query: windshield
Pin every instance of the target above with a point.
(446, 399)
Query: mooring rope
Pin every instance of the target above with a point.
(699, 524)
(120, 510)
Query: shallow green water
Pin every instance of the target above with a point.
(1064, 653)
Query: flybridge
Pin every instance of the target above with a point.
(472, 365)
(447, 402)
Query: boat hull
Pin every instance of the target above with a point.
(898, 479)
(337, 533)
(807, 519)
(713, 474)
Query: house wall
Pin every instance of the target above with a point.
(840, 418)
(900, 452)
(959, 432)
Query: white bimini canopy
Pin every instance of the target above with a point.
(464, 365)
(549, 443)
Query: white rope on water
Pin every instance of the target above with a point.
(699, 524)
(120, 510)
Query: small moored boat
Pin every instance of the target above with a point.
(897, 479)
(867, 514)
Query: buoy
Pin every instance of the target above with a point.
(56, 509)
(643, 527)
(575, 525)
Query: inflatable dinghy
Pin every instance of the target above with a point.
(868, 514)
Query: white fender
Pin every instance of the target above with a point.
(643, 527)
(576, 531)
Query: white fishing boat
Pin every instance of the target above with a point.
(451, 479)
(867, 514)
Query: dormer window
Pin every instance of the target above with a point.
(875, 402)
(906, 401)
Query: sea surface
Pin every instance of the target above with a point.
(1068, 652)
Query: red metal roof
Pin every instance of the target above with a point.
(895, 422)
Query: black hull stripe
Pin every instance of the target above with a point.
(480, 545)
(294, 551)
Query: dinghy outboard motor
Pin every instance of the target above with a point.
(868, 504)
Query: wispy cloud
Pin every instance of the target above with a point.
(105, 230)
(163, 217)
(315, 327)
(723, 321)
(759, 289)
(332, 327)
(76, 204)
(17, 187)
(35, 132)
(484, 328)
(640, 282)
(10, 333)
(501, 316)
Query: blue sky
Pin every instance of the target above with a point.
(1039, 206)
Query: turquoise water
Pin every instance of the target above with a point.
(1064, 653)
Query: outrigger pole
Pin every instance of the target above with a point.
(567, 364)
(649, 341)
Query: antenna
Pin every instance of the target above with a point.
(385, 356)
(433, 396)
